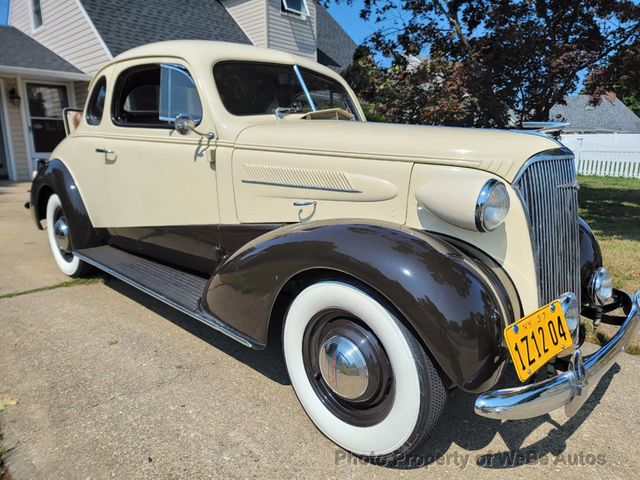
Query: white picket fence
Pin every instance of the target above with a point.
(609, 163)
(605, 155)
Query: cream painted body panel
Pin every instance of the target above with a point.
(267, 184)
(157, 182)
(152, 178)
(501, 152)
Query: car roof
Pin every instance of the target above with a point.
(198, 51)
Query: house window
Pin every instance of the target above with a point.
(153, 95)
(45, 105)
(37, 13)
(299, 7)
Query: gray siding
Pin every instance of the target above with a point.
(292, 33)
(66, 31)
(251, 15)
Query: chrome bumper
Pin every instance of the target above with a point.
(570, 389)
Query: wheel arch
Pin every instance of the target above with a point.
(298, 282)
(438, 291)
(54, 177)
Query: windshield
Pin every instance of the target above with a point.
(251, 88)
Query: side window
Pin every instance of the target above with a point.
(95, 107)
(153, 95)
(178, 94)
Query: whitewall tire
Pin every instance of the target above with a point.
(58, 234)
(361, 376)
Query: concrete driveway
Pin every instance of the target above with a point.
(112, 384)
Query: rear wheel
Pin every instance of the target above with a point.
(359, 373)
(59, 240)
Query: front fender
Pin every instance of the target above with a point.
(438, 289)
(54, 177)
(590, 258)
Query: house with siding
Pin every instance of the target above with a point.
(50, 49)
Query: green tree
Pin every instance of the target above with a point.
(485, 61)
(620, 74)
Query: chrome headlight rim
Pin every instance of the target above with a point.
(482, 201)
(600, 288)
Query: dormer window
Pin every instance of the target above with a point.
(37, 13)
(298, 7)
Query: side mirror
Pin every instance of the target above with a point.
(183, 124)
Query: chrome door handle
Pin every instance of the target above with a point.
(104, 150)
(304, 203)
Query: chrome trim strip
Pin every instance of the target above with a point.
(203, 317)
(306, 187)
(554, 154)
(569, 389)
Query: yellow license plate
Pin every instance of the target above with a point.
(537, 338)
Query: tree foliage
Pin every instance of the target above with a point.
(620, 74)
(483, 62)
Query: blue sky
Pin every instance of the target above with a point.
(348, 17)
(3, 11)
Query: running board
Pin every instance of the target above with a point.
(174, 287)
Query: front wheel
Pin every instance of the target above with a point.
(59, 240)
(359, 373)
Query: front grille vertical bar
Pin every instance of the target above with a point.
(547, 187)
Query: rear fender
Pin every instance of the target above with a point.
(54, 177)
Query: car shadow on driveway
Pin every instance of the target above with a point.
(459, 425)
(268, 362)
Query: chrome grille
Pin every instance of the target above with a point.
(548, 188)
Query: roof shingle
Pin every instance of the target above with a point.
(125, 24)
(335, 46)
(607, 116)
(22, 51)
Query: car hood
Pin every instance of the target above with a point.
(501, 152)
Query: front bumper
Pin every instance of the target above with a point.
(570, 389)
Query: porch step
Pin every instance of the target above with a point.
(174, 287)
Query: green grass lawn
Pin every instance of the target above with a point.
(611, 206)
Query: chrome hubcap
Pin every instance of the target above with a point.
(61, 234)
(343, 367)
(348, 367)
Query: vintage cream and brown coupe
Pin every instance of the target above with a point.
(245, 188)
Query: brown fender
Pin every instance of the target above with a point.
(590, 258)
(439, 290)
(54, 177)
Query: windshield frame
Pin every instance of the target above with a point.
(297, 72)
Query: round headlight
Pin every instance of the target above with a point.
(492, 206)
(600, 286)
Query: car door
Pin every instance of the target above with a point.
(161, 184)
(155, 176)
